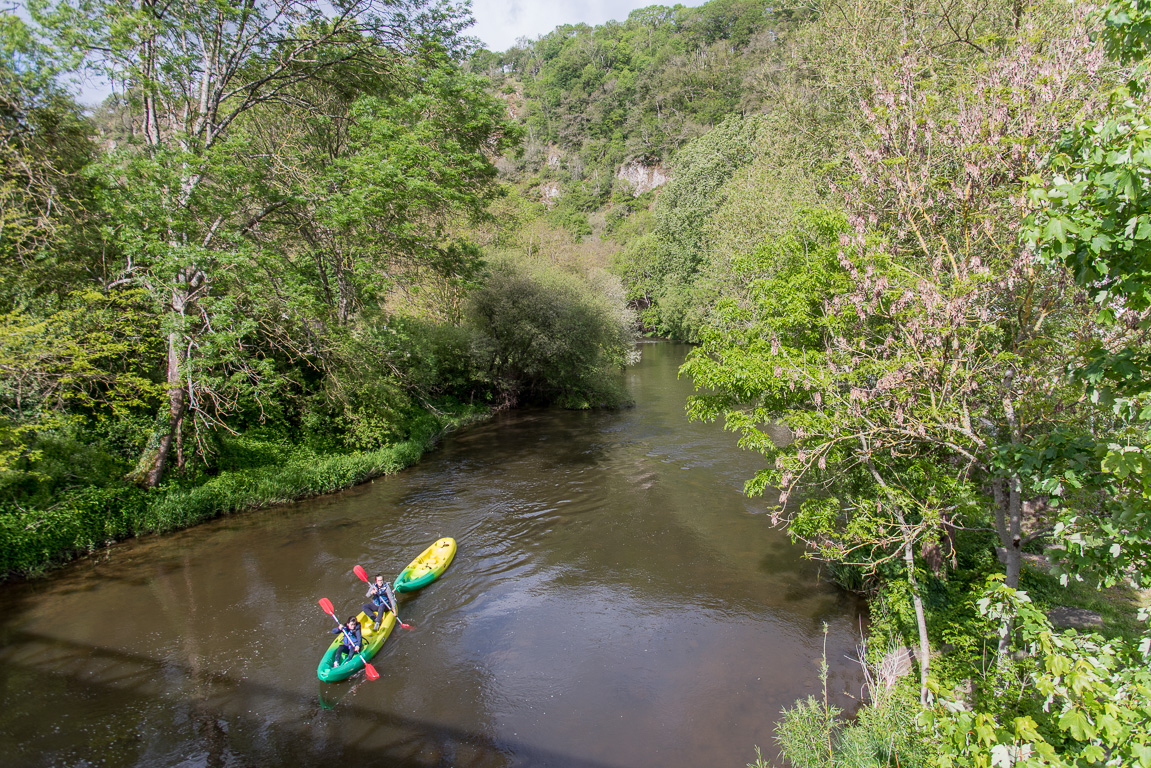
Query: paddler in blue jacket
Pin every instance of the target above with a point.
(353, 640)
(380, 592)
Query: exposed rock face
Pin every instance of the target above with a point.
(514, 102)
(549, 193)
(642, 178)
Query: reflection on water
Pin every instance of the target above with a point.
(615, 601)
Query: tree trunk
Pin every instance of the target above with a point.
(917, 602)
(149, 470)
(1008, 495)
(1009, 499)
(1008, 523)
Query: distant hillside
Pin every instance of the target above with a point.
(604, 108)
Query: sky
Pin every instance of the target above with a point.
(499, 23)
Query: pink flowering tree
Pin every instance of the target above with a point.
(915, 350)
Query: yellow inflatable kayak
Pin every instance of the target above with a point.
(428, 566)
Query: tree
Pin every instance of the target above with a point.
(382, 181)
(552, 336)
(181, 204)
(59, 347)
(1093, 215)
(44, 144)
(702, 168)
(374, 180)
(913, 353)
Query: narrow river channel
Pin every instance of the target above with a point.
(616, 601)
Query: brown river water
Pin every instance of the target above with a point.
(616, 601)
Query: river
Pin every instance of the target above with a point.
(616, 601)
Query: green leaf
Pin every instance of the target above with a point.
(1077, 724)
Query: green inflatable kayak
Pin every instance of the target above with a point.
(373, 641)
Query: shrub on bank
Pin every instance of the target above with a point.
(34, 539)
(551, 336)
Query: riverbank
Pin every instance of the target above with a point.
(33, 541)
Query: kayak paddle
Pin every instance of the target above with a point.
(369, 670)
(364, 578)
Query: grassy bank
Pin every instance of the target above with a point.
(33, 540)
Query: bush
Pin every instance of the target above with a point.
(65, 458)
(32, 539)
(553, 337)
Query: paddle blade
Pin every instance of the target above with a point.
(326, 604)
(371, 672)
(360, 572)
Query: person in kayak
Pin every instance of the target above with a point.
(380, 603)
(353, 640)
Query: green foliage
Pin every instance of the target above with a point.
(631, 93)
(635, 89)
(302, 474)
(258, 473)
(807, 733)
(884, 734)
(44, 142)
(914, 350)
(57, 462)
(31, 540)
(551, 336)
(572, 217)
(1095, 694)
(1096, 698)
(670, 277)
(382, 376)
(87, 360)
(271, 247)
(1126, 31)
(1092, 214)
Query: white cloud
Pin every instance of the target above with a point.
(499, 23)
